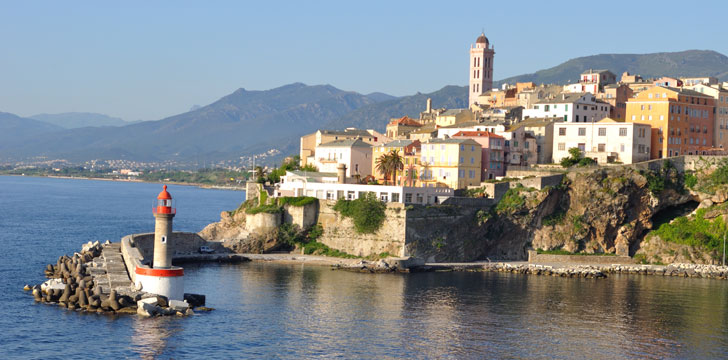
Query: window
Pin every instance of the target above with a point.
(562, 131)
(562, 146)
(622, 131)
(384, 197)
(462, 147)
(472, 148)
(602, 131)
(601, 147)
(515, 143)
(472, 160)
(582, 147)
(582, 131)
(576, 118)
(462, 160)
(621, 147)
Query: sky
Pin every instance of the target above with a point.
(146, 60)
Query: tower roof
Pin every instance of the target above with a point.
(164, 195)
(482, 39)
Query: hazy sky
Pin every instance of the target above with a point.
(152, 59)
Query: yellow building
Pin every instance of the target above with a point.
(409, 150)
(454, 116)
(309, 142)
(681, 120)
(454, 163)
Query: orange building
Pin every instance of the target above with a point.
(681, 120)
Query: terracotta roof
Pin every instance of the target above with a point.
(405, 120)
(477, 134)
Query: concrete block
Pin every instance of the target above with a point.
(150, 300)
(178, 305)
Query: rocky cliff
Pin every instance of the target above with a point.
(658, 216)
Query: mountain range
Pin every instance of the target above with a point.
(72, 120)
(690, 63)
(249, 122)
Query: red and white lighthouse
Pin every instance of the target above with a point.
(162, 278)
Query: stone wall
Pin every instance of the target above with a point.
(180, 243)
(539, 182)
(535, 258)
(339, 232)
(303, 216)
(262, 222)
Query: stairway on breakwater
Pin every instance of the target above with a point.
(109, 271)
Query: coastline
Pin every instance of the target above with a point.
(570, 270)
(199, 185)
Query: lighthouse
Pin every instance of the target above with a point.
(162, 278)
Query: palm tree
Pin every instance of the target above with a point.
(425, 167)
(396, 163)
(259, 174)
(384, 166)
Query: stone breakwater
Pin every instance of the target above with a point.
(96, 280)
(561, 270)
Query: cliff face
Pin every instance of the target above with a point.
(608, 210)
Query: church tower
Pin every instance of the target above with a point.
(481, 68)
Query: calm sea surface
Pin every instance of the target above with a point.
(296, 311)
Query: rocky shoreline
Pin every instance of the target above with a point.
(82, 282)
(561, 270)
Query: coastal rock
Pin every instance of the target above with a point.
(146, 309)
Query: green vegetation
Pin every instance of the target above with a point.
(317, 248)
(576, 158)
(296, 201)
(695, 231)
(556, 218)
(292, 163)
(640, 259)
(266, 208)
(367, 212)
(388, 164)
(512, 200)
(666, 178)
(476, 193)
(690, 180)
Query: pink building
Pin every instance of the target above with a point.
(481, 68)
(668, 81)
(492, 158)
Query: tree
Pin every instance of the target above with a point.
(384, 166)
(259, 174)
(396, 163)
(389, 164)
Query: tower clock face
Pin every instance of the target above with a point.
(164, 239)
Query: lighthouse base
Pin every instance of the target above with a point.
(166, 282)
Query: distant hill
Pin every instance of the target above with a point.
(376, 116)
(683, 63)
(74, 120)
(15, 129)
(241, 123)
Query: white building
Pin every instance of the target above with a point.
(572, 107)
(354, 153)
(448, 131)
(324, 186)
(605, 141)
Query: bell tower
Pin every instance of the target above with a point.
(481, 68)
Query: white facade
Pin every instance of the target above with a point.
(624, 142)
(571, 107)
(355, 154)
(446, 132)
(294, 185)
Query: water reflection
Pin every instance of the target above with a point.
(150, 337)
(294, 311)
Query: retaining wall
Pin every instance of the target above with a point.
(535, 258)
(339, 232)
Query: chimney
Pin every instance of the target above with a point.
(429, 105)
(341, 174)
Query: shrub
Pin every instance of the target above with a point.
(695, 231)
(557, 217)
(268, 208)
(296, 201)
(290, 234)
(691, 180)
(367, 212)
(317, 248)
(512, 201)
(314, 233)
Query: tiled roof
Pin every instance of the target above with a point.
(477, 134)
(346, 143)
(405, 120)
